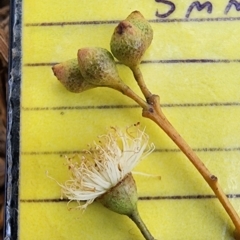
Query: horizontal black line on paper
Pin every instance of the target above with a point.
(160, 61)
(143, 198)
(158, 150)
(166, 105)
(101, 22)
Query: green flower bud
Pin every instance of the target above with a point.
(137, 19)
(98, 67)
(122, 198)
(131, 38)
(127, 44)
(69, 75)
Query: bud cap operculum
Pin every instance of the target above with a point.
(68, 73)
(137, 19)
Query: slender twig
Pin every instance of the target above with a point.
(140, 81)
(155, 113)
(140, 224)
(130, 93)
(158, 117)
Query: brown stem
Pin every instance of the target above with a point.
(130, 93)
(140, 81)
(155, 114)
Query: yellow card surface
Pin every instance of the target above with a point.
(192, 64)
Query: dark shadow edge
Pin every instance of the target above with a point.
(10, 230)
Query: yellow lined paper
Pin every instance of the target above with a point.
(193, 64)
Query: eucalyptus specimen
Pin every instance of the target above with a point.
(95, 67)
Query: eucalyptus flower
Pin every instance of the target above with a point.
(103, 173)
(105, 164)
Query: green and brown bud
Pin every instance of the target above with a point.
(131, 38)
(68, 73)
(122, 198)
(127, 44)
(98, 67)
(137, 19)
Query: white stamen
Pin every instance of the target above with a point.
(103, 166)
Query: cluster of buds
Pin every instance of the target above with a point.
(96, 67)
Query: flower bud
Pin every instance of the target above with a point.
(121, 198)
(98, 67)
(127, 44)
(68, 73)
(137, 19)
(131, 38)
